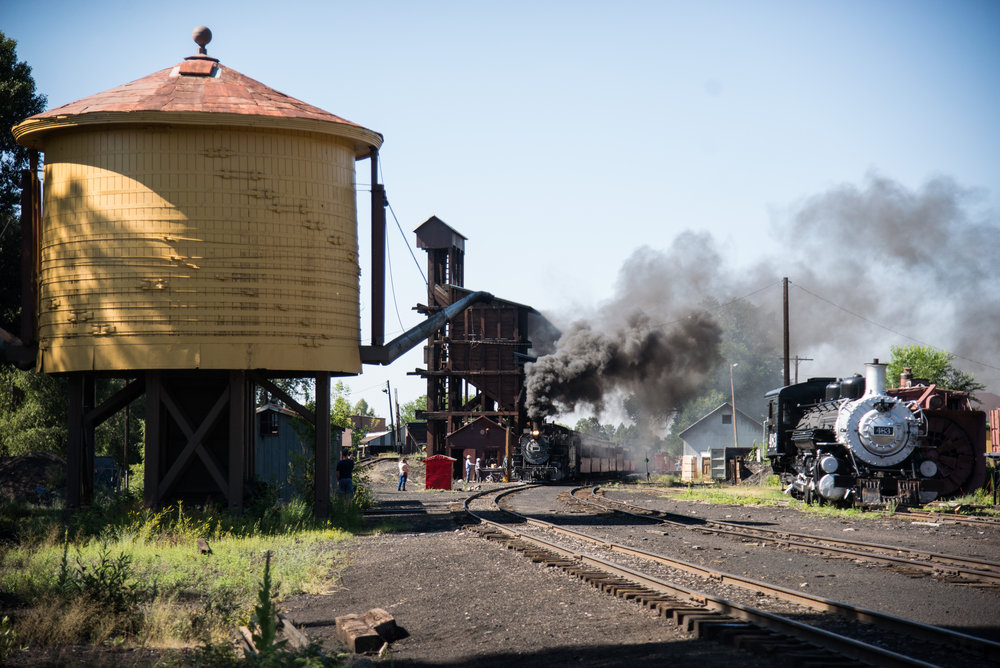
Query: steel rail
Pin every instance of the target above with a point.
(843, 646)
(972, 568)
(985, 648)
(992, 521)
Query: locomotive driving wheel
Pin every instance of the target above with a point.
(955, 455)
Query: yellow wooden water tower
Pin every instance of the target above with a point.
(197, 236)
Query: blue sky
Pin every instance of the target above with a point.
(559, 137)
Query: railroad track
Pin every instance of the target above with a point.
(711, 616)
(942, 517)
(948, 567)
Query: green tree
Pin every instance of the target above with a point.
(109, 439)
(32, 406)
(300, 389)
(18, 100)
(625, 433)
(934, 366)
(363, 409)
(748, 341)
(32, 412)
(340, 406)
(594, 427)
(408, 411)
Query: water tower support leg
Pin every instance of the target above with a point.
(321, 505)
(239, 432)
(80, 441)
(154, 441)
(74, 437)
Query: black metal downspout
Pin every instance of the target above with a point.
(378, 254)
(404, 342)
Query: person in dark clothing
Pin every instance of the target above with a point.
(345, 474)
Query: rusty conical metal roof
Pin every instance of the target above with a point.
(197, 91)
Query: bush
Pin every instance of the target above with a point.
(107, 584)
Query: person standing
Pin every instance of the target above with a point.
(468, 468)
(479, 471)
(404, 470)
(345, 474)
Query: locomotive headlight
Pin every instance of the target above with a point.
(828, 464)
(828, 489)
(928, 469)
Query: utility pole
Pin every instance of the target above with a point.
(732, 389)
(784, 300)
(399, 423)
(388, 394)
(797, 360)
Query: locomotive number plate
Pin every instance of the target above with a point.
(882, 431)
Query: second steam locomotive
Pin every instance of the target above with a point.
(553, 453)
(851, 441)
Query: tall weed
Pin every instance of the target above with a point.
(10, 641)
(119, 571)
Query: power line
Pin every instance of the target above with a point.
(392, 282)
(400, 227)
(889, 329)
(410, 248)
(725, 305)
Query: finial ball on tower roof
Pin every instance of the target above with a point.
(201, 36)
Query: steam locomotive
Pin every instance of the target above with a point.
(851, 441)
(552, 453)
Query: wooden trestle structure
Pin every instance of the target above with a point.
(199, 434)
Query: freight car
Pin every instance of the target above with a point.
(852, 441)
(552, 453)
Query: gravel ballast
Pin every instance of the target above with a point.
(465, 601)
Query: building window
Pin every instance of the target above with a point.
(269, 423)
(727, 418)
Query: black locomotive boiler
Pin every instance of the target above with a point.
(852, 441)
(552, 452)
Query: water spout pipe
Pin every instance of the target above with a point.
(393, 350)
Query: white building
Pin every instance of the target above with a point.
(711, 436)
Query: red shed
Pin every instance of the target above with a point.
(438, 472)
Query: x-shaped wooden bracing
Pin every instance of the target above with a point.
(195, 438)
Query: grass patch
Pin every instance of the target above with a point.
(769, 494)
(979, 502)
(732, 495)
(119, 574)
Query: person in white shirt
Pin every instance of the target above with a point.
(404, 470)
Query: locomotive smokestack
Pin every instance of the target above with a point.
(875, 377)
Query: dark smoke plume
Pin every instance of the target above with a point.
(904, 266)
(659, 364)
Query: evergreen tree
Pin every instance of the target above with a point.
(18, 100)
(33, 409)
